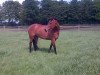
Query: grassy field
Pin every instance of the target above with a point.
(78, 54)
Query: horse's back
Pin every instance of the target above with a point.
(31, 29)
(36, 28)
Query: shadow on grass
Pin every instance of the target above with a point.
(40, 49)
(44, 50)
(2, 53)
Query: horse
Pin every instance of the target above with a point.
(47, 32)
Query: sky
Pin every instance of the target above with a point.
(20, 1)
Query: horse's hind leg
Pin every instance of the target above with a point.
(34, 44)
(35, 40)
(30, 45)
(54, 46)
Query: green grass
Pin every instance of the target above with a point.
(78, 54)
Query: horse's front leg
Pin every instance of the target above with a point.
(50, 48)
(53, 44)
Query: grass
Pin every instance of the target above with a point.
(78, 54)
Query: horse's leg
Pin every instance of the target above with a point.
(30, 45)
(50, 48)
(31, 37)
(34, 45)
(53, 44)
(35, 40)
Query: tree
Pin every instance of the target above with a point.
(11, 10)
(73, 12)
(62, 11)
(45, 10)
(54, 8)
(0, 14)
(87, 10)
(34, 11)
(97, 4)
(30, 11)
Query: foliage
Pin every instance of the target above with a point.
(54, 9)
(11, 10)
(73, 12)
(0, 14)
(97, 3)
(30, 11)
(34, 11)
(88, 11)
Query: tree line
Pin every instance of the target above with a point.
(34, 11)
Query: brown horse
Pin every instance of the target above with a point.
(48, 32)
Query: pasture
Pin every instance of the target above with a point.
(78, 54)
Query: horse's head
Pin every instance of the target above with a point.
(53, 23)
